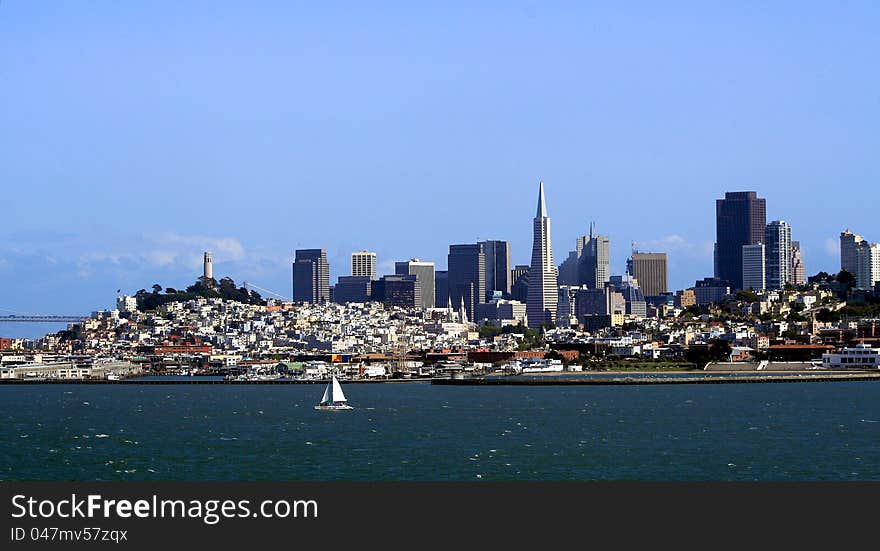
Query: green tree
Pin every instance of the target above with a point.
(827, 316)
(847, 278)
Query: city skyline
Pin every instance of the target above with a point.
(121, 179)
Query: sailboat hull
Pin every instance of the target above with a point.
(331, 407)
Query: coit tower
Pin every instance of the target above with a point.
(543, 290)
(209, 265)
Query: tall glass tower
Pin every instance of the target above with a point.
(740, 219)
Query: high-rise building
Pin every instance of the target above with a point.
(497, 267)
(594, 264)
(520, 277)
(208, 266)
(711, 290)
(754, 267)
(777, 248)
(868, 265)
(651, 271)
(441, 288)
(401, 290)
(502, 312)
(363, 264)
(849, 251)
(740, 219)
(311, 276)
(352, 289)
(566, 306)
(599, 302)
(634, 298)
(798, 271)
(466, 265)
(424, 271)
(543, 293)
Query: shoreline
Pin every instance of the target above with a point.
(730, 377)
(199, 381)
(544, 379)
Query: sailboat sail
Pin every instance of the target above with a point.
(326, 397)
(338, 396)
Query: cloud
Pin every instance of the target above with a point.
(228, 247)
(676, 244)
(832, 247)
(165, 250)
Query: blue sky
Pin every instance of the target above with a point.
(136, 135)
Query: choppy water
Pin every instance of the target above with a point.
(415, 431)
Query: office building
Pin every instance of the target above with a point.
(352, 289)
(441, 288)
(740, 219)
(777, 249)
(520, 278)
(594, 263)
(712, 290)
(634, 299)
(466, 265)
(754, 267)
(650, 269)
(542, 298)
(363, 264)
(497, 259)
(311, 276)
(566, 306)
(502, 312)
(401, 290)
(607, 301)
(424, 271)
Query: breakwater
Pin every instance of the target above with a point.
(198, 381)
(658, 379)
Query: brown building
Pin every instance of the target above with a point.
(685, 298)
(650, 269)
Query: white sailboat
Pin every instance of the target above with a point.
(333, 397)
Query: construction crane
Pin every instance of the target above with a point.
(250, 286)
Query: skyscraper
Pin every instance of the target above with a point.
(650, 270)
(798, 271)
(363, 264)
(740, 219)
(543, 292)
(849, 251)
(441, 288)
(777, 243)
(754, 263)
(594, 264)
(467, 276)
(497, 267)
(401, 290)
(311, 276)
(868, 265)
(424, 271)
(352, 289)
(520, 277)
